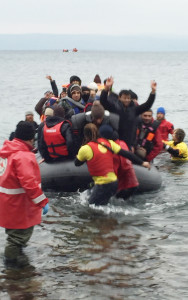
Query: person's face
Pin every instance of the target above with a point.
(160, 116)
(76, 95)
(29, 118)
(125, 99)
(147, 117)
(63, 94)
(75, 82)
(92, 94)
(49, 95)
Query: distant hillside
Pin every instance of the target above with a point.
(91, 42)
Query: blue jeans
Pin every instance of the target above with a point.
(101, 193)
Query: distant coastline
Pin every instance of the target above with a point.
(92, 42)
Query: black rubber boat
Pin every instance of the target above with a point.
(66, 177)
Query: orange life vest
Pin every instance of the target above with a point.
(102, 162)
(54, 140)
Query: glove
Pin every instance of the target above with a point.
(45, 209)
(165, 146)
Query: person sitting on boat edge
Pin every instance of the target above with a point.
(98, 116)
(148, 137)
(123, 168)
(123, 106)
(98, 153)
(55, 137)
(165, 127)
(177, 148)
(21, 198)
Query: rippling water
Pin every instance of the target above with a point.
(126, 250)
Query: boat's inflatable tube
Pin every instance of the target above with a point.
(65, 176)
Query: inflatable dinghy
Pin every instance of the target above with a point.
(66, 177)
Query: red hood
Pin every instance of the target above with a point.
(10, 147)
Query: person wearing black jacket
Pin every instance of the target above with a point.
(126, 109)
(63, 145)
(98, 116)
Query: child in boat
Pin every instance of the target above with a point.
(177, 148)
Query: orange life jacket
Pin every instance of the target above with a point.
(102, 162)
(54, 140)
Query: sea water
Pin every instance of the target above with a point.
(125, 250)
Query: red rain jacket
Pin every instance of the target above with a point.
(21, 197)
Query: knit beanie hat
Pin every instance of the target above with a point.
(25, 131)
(49, 112)
(93, 86)
(29, 112)
(161, 110)
(72, 88)
(106, 132)
(75, 78)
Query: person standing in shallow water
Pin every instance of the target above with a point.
(21, 198)
(165, 127)
(98, 153)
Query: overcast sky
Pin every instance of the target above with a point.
(111, 17)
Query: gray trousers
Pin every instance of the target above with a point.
(16, 240)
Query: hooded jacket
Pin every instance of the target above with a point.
(21, 197)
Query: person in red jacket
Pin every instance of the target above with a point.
(123, 168)
(21, 198)
(165, 126)
(148, 142)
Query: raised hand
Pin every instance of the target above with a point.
(49, 77)
(109, 83)
(153, 86)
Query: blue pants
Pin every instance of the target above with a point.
(101, 193)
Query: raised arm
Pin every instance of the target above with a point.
(53, 85)
(148, 104)
(109, 99)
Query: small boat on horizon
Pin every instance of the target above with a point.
(73, 50)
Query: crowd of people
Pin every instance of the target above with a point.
(91, 124)
(65, 115)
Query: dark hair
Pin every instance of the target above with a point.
(180, 134)
(85, 89)
(150, 110)
(133, 95)
(97, 79)
(124, 92)
(59, 111)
